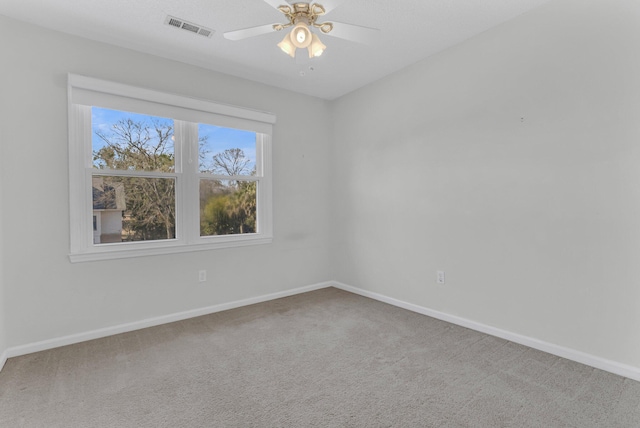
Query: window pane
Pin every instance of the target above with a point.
(226, 151)
(227, 207)
(131, 141)
(133, 208)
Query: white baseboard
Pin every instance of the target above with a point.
(630, 372)
(150, 322)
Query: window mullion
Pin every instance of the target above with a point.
(229, 177)
(189, 202)
(129, 173)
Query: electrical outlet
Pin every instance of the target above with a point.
(202, 276)
(440, 277)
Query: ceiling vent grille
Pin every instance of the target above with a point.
(188, 26)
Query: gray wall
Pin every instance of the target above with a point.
(49, 297)
(512, 162)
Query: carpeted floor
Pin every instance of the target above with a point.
(326, 358)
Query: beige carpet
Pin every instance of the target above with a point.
(326, 358)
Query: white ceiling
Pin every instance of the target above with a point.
(410, 31)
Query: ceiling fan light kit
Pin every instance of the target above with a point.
(301, 16)
(302, 37)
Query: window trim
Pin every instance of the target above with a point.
(82, 90)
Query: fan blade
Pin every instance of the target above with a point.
(248, 32)
(354, 33)
(328, 5)
(276, 3)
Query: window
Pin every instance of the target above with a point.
(155, 173)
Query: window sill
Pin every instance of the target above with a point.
(106, 253)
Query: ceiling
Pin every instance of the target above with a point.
(410, 30)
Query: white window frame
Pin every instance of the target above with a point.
(85, 92)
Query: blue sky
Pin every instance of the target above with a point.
(218, 138)
(102, 119)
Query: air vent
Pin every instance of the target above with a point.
(188, 26)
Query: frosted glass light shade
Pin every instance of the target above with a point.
(316, 47)
(301, 35)
(287, 47)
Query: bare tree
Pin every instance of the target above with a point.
(231, 162)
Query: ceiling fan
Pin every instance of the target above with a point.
(303, 17)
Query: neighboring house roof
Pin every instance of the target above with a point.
(107, 196)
